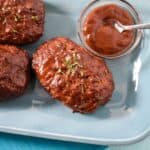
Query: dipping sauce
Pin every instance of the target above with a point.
(100, 33)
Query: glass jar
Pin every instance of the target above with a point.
(138, 34)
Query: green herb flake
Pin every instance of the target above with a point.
(59, 45)
(83, 88)
(67, 61)
(14, 31)
(72, 64)
(82, 73)
(35, 18)
(17, 18)
(4, 21)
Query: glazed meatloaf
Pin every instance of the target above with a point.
(71, 75)
(21, 21)
(14, 71)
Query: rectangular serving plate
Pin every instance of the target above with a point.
(122, 121)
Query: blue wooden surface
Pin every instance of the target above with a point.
(14, 142)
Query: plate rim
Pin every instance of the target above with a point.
(76, 139)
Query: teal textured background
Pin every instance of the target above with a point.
(15, 142)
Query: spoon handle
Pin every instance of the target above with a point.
(138, 26)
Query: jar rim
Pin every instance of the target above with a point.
(129, 8)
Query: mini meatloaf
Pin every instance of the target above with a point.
(70, 74)
(14, 71)
(21, 21)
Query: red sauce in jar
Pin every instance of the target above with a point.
(100, 33)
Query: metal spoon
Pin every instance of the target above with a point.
(121, 28)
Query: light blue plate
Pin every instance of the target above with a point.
(124, 120)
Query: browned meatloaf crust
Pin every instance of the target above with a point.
(71, 75)
(14, 71)
(21, 21)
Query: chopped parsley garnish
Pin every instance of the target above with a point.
(14, 31)
(72, 63)
(4, 21)
(17, 18)
(35, 18)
